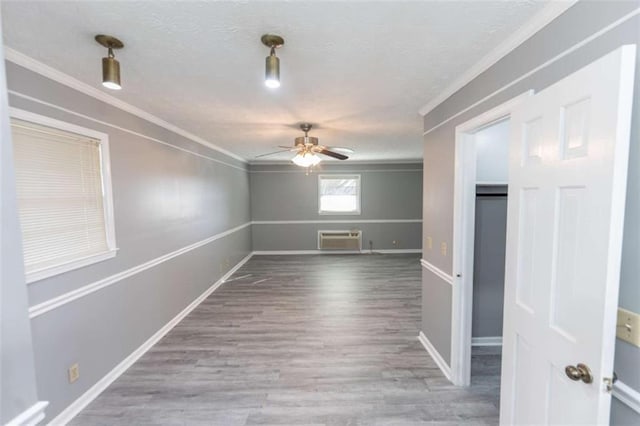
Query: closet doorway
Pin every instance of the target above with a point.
(479, 241)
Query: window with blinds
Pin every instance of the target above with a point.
(339, 194)
(60, 183)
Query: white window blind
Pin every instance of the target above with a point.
(339, 194)
(60, 192)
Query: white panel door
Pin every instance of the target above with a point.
(567, 181)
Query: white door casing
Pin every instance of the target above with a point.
(567, 187)
(464, 221)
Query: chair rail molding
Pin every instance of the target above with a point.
(627, 395)
(448, 278)
(31, 416)
(63, 299)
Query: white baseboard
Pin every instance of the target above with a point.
(486, 341)
(393, 251)
(31, 416)
(79, 404)
(440, 362)
(293, 252)
(627, 395)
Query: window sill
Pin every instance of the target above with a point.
(51, 271)
(327, 213)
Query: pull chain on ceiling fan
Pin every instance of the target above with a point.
(307, 148)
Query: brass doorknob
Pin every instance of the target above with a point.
(579, 372)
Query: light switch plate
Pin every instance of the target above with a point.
(443, 248)
(628, 327)
(429, 243)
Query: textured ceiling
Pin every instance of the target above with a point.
(358, 70)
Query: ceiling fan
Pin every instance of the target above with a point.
(307, 148)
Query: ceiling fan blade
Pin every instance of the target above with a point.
(333, 154)
(341, 149)
(272, 153)
(289, 148)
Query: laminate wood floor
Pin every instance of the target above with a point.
(301, 340)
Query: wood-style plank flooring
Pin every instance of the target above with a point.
(301, 340)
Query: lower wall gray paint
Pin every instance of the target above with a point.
(488, 266)
(582, 20)
(101, 329)
(627, 365)
(437, 330)
(165, 199)
(622, 415)
(305, 236)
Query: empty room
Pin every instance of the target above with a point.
(320, 212)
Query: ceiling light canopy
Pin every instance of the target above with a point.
(272, 62)
(110, 66)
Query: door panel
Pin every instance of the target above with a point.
(568, 162)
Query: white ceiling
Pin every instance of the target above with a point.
(358, 70)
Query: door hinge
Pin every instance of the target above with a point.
(609, 381)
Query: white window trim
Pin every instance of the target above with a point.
(109, 220)
(359, 198)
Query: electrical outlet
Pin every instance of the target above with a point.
(225, 264)
(443, 248)
(429, 243)
(395, 243)
(74, 373)
(628, 327)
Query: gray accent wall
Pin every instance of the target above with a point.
(286, 193)
(169, 193)
(581, 21)
(17, 372)
(488, 263)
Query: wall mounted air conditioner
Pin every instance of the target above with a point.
(340, 240)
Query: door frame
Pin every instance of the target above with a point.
(464, 195)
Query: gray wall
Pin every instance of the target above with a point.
(286, 193)
(579, 22)
(165, 199)
(17, 373)
(488, 263)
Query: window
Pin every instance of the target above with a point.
(339, 194)
(64, 194)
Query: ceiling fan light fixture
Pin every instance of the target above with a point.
(110, 66)
(306, 159)
(272, 62)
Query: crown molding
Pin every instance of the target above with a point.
(38, 67)
(336, 163)
(551, 11)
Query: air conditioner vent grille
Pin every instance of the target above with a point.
(340, 240)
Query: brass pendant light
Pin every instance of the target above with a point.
(110, 66)
(272, 63)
